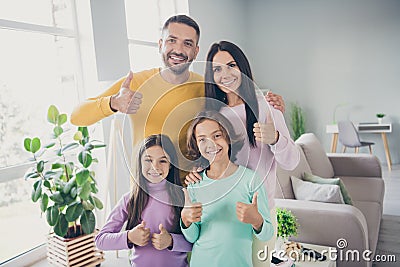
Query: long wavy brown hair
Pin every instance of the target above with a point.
(140, 197)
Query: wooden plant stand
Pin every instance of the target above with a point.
(73, 252)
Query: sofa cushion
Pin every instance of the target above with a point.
(337, 181)
(329, 193)
(365, 188)
(315, 155)
(283, 187)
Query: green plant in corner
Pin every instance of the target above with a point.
(287, 223)
(297, 121)
(65, 187)
(380, 115)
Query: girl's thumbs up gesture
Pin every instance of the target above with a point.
(192, 211)
(162, 240)
(139, 235)
(248, 213)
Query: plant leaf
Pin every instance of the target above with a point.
(97, 203)
(52, 215)
(58, 131)
(85, 191)
(49, 145)
(52, 114)
(73, 193)
(84, 131)
(87, 205)
(27, 144)
(57, 198)
(40, 166)
(88, 221)
(44, 202)
(82, 176)
(35, 145)
(70, 146)
(78, 136)
(73, 212)
(85, 158)
(69, 185)
(62, 118)
(61, 227)
(37, 190)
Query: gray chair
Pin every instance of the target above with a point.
(348, 137)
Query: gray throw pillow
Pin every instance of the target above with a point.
(316, 192)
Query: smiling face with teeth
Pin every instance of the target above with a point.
(227, 74)
(155, 164)
(178, 47)
(212, 141)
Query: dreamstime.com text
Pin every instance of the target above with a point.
(333, 254)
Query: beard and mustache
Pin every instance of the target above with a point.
(177, 68)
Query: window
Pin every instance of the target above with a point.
(39, 66)
(144, 33)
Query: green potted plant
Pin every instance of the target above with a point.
(297, 120)
(65, 185)
(287, 226)
(380, 117)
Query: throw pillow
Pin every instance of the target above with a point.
(337, 181)
(316, 192)
(315, 155)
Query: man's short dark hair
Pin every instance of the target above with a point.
(184, 20)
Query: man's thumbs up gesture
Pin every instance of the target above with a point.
(162, 240)
(139, 235)
(248, 213)
(126, 101)
(192, 211)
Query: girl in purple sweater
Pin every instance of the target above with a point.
(151, 210)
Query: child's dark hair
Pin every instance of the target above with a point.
(139, 197)
(234, 140)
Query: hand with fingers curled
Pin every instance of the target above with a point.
(162, 240)
(139, 235)
(266, 132)
(275, 101)
(192, 212)
(126, 100)
(248, 213)
(193, 176)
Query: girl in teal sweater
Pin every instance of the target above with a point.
(225, 208)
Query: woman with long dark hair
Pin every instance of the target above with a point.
(230, 89)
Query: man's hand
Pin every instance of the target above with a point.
(139, 235)
(248, 213)
(266, 132)
(275, 101)
(162, 240)
(126, 101)
(192, 211)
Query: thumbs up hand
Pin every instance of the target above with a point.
(162, 240)
(139, 235)
(126, 100)
(248, 213)
(192, 211)
(266, 132)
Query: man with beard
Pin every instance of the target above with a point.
(159, 100)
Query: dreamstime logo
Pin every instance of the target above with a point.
(333, 254)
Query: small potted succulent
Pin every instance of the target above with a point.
(380, 117)
(65, 186)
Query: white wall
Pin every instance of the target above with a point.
(320, 54)
(218, 20)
